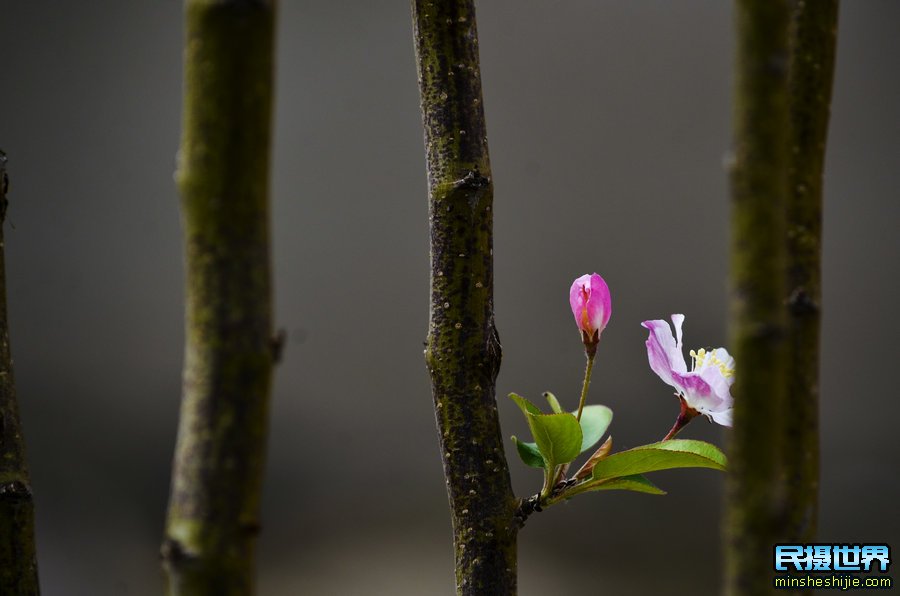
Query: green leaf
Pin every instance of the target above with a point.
(594, 422)
(636, 483)
(554, 403)
(529, 453)
(526, 406)
(665, 455)
(558, 437)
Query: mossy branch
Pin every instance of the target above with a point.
(223, 174)
(813, 37)
(758, 318)
(18, 562)
(463, 353)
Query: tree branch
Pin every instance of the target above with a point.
(759, 197)
(463, 353)
(813, 38)
(18, 563)
(223, 171)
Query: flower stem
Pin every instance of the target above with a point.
(686, 415)
(587, 383)
(551, 479)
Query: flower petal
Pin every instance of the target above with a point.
(577, 300)
(716, 398)
(722, 355)
(724, 417)
(678, 321)
(665, 358)
(600, 304)
(697, 392)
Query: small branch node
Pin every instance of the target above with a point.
(277, 345)
(173, 552)
(526, 507)
(800, 302)
(473, 180)
(15, 490)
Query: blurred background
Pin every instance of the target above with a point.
(608, 122)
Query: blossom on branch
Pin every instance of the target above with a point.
(706, 388)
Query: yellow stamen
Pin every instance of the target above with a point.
(703, 358)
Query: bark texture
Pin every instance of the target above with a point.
(811, 71)
(223, 174)
(758, 257)
(463, 349)
(18, 562)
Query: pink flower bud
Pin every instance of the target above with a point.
(591, 305)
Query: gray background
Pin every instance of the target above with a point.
(608, 122)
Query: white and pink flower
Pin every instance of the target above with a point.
(706, 388)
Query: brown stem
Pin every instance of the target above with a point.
(810, 70)
(686, 415)
(759, 194)
(463, 353)
(223, 170)
(18, 563)
(589, 367)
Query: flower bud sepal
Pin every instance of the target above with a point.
(590, 343)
